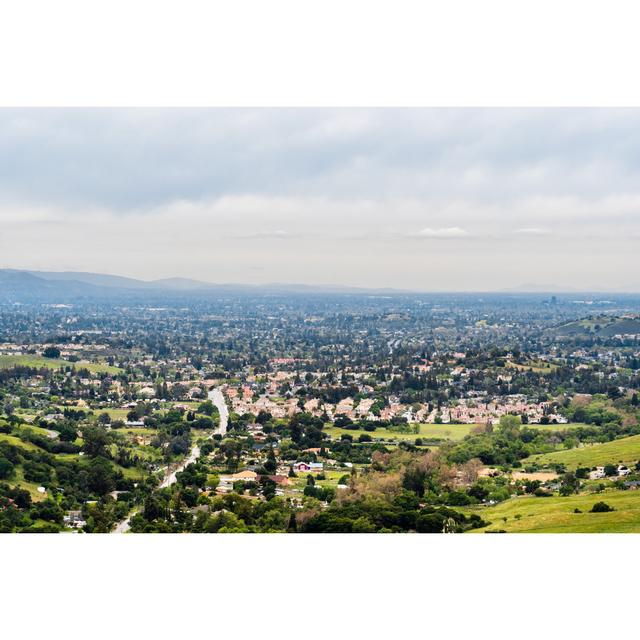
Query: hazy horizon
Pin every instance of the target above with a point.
(413, 199)
(524, 288)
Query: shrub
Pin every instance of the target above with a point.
(601, 507)
(51, 352)
(6, 469)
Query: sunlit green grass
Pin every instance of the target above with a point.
(32, 487)
(15, 441)
(624, 450)
(38, 362)
(426, 431)
(556, 514)
(536, 366)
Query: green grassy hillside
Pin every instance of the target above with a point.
(556, 514)
(604, 326)
(624, 450)
(38, 362)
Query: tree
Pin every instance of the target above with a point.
(96, 442)
(363, 525)
(263, 417)
(268, 488)
(207, 408)
(569, 484)
(47, 510)
(271, 463)
(470, 470)
(67, 432)
(101, 476)
(414, 480)
(509, 424)
(51, 352)
(6, 469)
(153, 509)
(430, 523)
(21, 498)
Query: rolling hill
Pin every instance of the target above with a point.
(71, 286)
(599, 326)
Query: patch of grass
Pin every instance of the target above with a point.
(29, 446)
(39, 430)
(331, 478)
(39, 362)
(138, 431)
(19, 481)
(426, 431)
(537, 366)
(624, 450)
(557, 514)
(114, 414)
(557, 427)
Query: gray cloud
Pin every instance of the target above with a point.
(340, 194)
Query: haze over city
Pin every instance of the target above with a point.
(415, 199)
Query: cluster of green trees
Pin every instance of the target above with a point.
(511, 441)
(70, 485)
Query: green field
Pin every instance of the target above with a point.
(138, 431)
(556, 514)
(39, 362)
(537, 366)
(38, 430)
(114, 414)
(19, 481)
(427, 431)
(624, 450)
(557, 427)
(16, 442)
(453, 432)
(331, 478)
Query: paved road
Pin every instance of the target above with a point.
(171, 478)
(216, 396)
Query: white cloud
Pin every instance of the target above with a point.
(445, 232)
(532, 231)
(277, 233)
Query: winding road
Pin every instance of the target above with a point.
(216, 396)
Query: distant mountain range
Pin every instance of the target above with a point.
(530, 287)
(70, 286)
(65, 286)
(119, 282)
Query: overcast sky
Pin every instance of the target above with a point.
(426, 199)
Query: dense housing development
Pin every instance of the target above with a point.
(235, 411)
